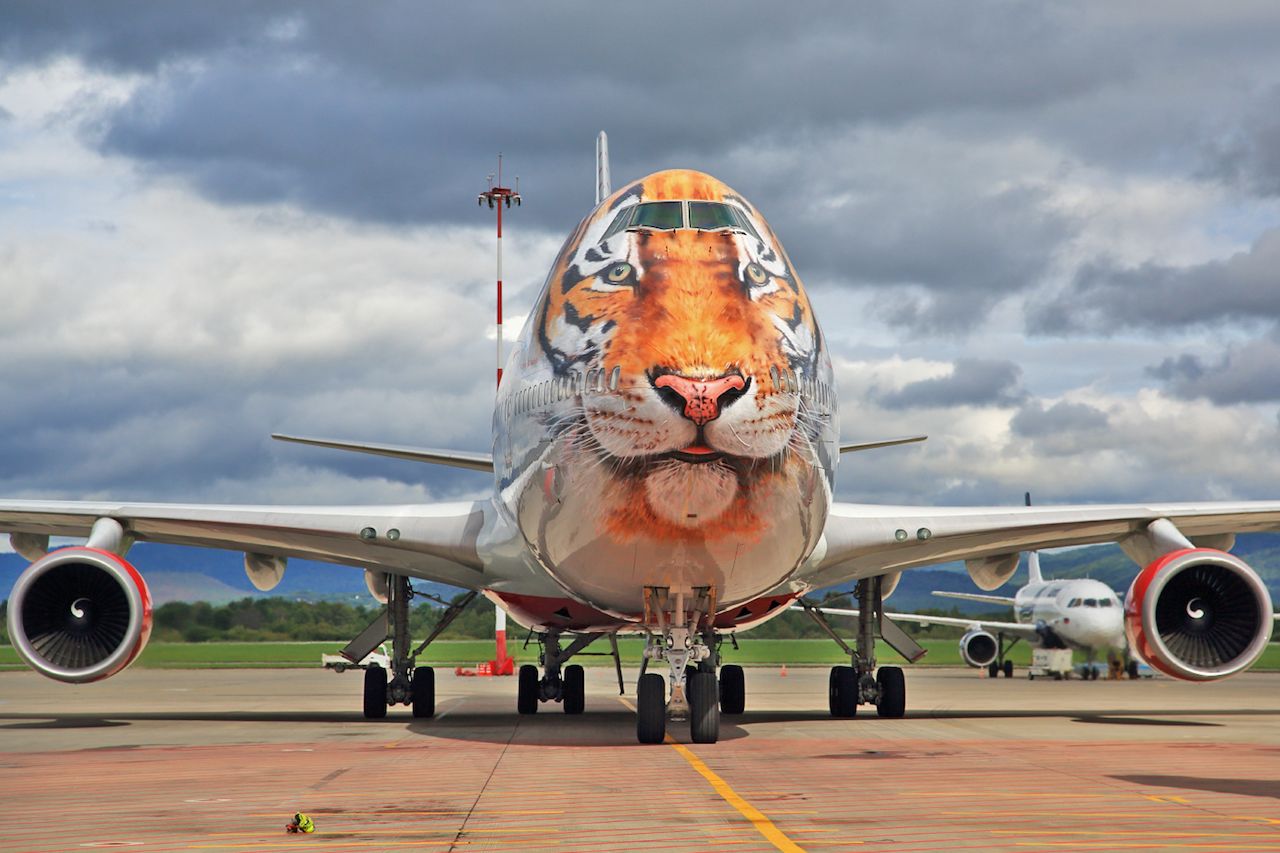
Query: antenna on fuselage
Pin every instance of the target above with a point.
(604, 187)
(1033, 559)
(499, 197)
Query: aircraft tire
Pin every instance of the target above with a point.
(575, 691)
(1132, 669)
(704, 708)
(842, 691)
(423, 688)
(527, 690)
(651, 708)
(1008, 669)
(993, 670)
(733, 689)
(893, 692)
(375, 693)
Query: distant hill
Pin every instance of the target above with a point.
(177, 573)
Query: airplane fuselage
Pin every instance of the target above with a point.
(668, 417)
(1080, 613)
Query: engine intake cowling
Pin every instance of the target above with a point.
(978, 648)
(79, 614)
(1198, 614)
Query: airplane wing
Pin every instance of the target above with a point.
(864, 540)
(973, 596)
(1012, 628)
(433, 541)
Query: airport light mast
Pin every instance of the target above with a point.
(499, 197)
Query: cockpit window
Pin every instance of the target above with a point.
(1105, 602)
(662, 215)
(1091, 602)
(1075, 602)
(670, 215)
(710, 216)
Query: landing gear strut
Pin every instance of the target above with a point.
(1002, 664)
(557, 683)
(860, 683)
(408, 685)
(685, 640)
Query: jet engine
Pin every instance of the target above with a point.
(1198, 614)
(978, 648)
(79, 614)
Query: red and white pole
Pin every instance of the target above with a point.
(499, 196)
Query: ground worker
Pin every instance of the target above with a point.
(300, 823)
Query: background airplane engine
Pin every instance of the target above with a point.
(79, 614)
(978, 648)
(1198, 614)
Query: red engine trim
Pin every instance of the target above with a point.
(145, 592)
(1139, 613)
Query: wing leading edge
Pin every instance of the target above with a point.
(863, 540)
(431, 541)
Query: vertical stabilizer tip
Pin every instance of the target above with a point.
(604, 188)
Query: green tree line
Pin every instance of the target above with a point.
(274, 619)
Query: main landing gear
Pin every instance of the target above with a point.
(685, 640)
(1002, 664)
(854, 685)
(558, 683)
(410, 685)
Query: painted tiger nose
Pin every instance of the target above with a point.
(699, 400)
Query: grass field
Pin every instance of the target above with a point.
(450, 653)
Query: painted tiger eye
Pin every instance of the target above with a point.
(756, 274)
(619, 272)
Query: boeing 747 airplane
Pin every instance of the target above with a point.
(665, 443)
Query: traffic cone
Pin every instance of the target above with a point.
(784, 671)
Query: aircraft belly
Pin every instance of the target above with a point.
(581, 538)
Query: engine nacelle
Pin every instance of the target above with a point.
(79, 614)
(979, 648)
(1198, 614)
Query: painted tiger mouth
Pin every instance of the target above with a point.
(694, 453)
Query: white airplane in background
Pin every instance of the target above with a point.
(665, 442)
(1069, 614)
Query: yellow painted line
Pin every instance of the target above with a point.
(1167, 799)
(763, 825)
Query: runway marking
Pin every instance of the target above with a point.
(762, 824)
(1167, 799)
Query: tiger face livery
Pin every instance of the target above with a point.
(690, 393)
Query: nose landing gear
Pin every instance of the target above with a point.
(685, 641)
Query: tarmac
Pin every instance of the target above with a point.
(219, 760)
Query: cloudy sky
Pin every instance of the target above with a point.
(1047, 234)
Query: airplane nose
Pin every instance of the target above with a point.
(700, 400)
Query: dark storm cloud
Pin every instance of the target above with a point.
(1105, 297)
(972, 382)
(393, 113)
(1249, 156)
(1244, 374)
(1033, 420)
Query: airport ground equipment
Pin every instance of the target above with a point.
(340, 663)
(1050, 663)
